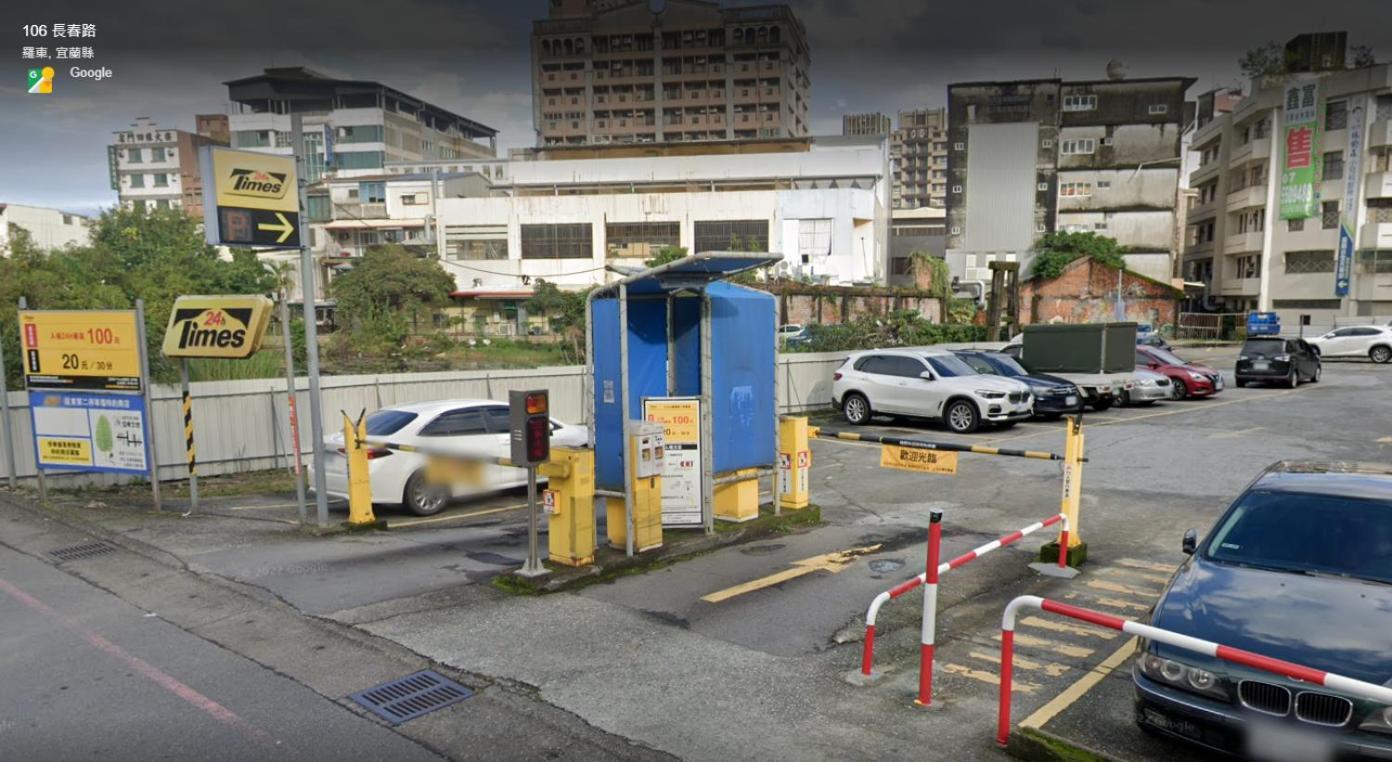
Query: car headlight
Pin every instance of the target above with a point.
(1240, 358)
(1281, 358)
(1185, 677)
(1379, 721)
(1197, 376)
(990, 395)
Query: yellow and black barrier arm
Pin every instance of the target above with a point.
(922, 444)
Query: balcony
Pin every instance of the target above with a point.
(1379, 185)
(1375, 235)
(1381, 134)
(1205, 172)
(1252, 195)
(1240, 287)
(371, 211)
(1242, 242)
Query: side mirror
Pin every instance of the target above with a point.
(1190, 543)
(926, 375)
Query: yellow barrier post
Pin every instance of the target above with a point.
(569, 504)
(738, 500)
(1071, 500)
(794, 463)
(359, 484)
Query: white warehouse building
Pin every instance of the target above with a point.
(566, 214)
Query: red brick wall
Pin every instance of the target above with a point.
(1086, 293)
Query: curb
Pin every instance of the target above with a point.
(1035, 745)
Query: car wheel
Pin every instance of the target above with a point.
(1103, 403)
(1178, 389)
(424, 499)
(1293, 379)
(1315, 377)
(1126, 398)
(1147, 403)
(1380, 355)
(1240, 382)
(961, 417)
(856, 409)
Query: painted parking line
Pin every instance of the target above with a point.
(829, 562)
(454, 516)
(1078, 689)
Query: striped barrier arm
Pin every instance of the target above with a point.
(1379, 693)
(867, 659)
(922, 444)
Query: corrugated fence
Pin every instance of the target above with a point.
(242, 425)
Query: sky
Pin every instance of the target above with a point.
(169, 58)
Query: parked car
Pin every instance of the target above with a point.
(1371, 341)
(478, 427)
(1150, 387)
(1272, 358)
(926, 383)
(792, 334)
(1187, 379)
(1099, 390)
(1147, 334)
(1296, 569)
(1053, 396)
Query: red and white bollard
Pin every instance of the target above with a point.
(930, 611)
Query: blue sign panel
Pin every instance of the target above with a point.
(1343, 261)
(89, 431)
(1263, 324)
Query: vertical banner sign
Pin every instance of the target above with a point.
(681, 458)
(89, 431)
(1300, 125)
(1348, 218)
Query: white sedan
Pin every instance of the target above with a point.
(1371, 341)
(464, 426)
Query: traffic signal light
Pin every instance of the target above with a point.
(530, 427)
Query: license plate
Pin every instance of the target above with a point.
(1274, 742)
(1071, 400)
(1261, 366)
(1174, 725)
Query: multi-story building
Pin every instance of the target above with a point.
(919, 158)
(47, 228)
(364, 124)
(874, 123)
(1026, 158)
(1279, 172)
(619, 71)
(155, 167)
(565, 214)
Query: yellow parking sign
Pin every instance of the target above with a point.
(918, 459)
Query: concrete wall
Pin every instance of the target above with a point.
(50, 228)
(241, 425)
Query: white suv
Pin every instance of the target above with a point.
(1371, 341)
(927, 383)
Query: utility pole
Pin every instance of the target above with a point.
(311, 329)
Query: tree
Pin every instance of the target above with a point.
(666, 254)
(566, 312)
(1054, 251)
(1267, 60)
(1362, 57)
(390, 282)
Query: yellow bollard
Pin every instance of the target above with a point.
(359, 483)
(738, 501)
(1071, 499)
(569, 503)
(794, 463)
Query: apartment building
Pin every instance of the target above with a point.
(866, 124)
(630, 71)
(153, 167)
(919, 158)
(48, 228)
(1283, 174)
(1029, 157)
(360, 125)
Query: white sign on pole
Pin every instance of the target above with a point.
(681, 457)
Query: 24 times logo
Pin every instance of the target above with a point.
(258, 183)
(210, 329)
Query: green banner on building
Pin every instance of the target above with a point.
(1299, 167)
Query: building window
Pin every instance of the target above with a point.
(1079, 146)
(1079, 102)
(1157, 109)
(415, 199)
(1333, 166)
(561, 241)
(956, 189)
(1295, 225)
(133, 155)
(1047, 143)
(1329, 215)
(639, 240)
(814, 239)
(1103, 184)
(1075, 189)
(358, 160)
(1247, 266)
(372, 193)
(1335, 115)
(157, 154)
(956, 230)
(251, 138)
(137, 181)
(476, 242)
(1042, 187)
(1039, 228)
(162, 203)
(138, 205)
(1302, 262)
(732, 235)
(161, 180)
(959, 146)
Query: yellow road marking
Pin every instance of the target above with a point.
(1116, 587)
(1112, 571)
(829, 562)
(1021, 639)
(1115, 603)
(1073, 629)
(1133, 563)
(1385, 440)
(988, 677)
(1235, 434)
(1050, 669)
(454, 516)
(1075, 691)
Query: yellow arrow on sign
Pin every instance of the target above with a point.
(284, 227)
(830, 562)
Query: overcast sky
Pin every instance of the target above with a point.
(169, 58)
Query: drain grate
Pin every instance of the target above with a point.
(78, 552)
(412, 696)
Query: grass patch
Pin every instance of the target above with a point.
(246, 484)
(1045, 747)
(505, 353)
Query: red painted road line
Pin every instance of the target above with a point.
(149, 671)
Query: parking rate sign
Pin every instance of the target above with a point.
(80, 349)
(89, 431)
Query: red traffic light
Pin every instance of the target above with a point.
(538, 434)
(536, 403)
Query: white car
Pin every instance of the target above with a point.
(927, 383)
(1149, 388)
(464, 426)
(1371, 341)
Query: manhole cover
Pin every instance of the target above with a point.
(886, 565)
(412, 696)
(762, 550)
(78, 552)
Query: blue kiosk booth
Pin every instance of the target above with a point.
(681, 331)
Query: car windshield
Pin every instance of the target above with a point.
(949, 366)
(1007, 366)
(1307, 533)
(1166, 357)
(384, 422)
